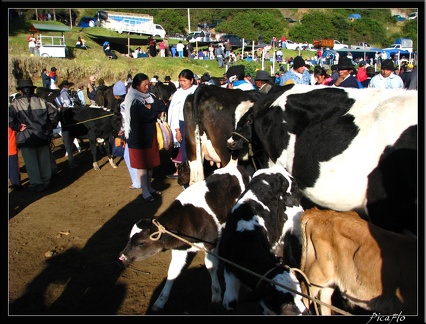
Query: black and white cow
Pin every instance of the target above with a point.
(264, 225)
(95, 123)
(197, 215)
(348, 149)
(210, 115)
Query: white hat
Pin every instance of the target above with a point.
(153, 80)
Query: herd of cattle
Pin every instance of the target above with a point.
(319, 179)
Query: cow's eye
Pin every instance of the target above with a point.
(141, 244)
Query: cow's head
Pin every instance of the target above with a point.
(140, 245)
(242, 137)
(284, 297)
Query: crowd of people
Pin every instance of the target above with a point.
(31, 131)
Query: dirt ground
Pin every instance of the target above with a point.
(64, 245)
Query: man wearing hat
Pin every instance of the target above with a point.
(168, 82)
(298, 73)
(262, 81)
(235, 76)
(91, 90)
(207, 79)
(361, 74)
(33, 119)
(345, 79)
(386, 79)
(64, 95)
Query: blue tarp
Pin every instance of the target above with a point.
(354, 16)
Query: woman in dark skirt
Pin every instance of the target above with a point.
(141, 112)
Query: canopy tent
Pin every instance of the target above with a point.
(57, 27)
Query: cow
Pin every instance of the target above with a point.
(373, 268)
(263, 226)
(348, 149)
(105, 97)
(197, 215)
(210, 115)
(164, 92)
(95, 123)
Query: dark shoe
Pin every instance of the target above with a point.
(38, 188)
(16, 187)
(149, 198)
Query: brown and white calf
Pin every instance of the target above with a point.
(197, 215)
(374, 268)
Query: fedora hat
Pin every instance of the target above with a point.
(387, 65)
(262, 75)
(66, 83)
(25, 84)
(53, 68)
(345, 64)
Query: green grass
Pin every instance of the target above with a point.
(80, 64)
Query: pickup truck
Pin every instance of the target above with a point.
(330, 43)
(398, 46)
(361, 45)
(338, 45)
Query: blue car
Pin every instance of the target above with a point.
(399, 17)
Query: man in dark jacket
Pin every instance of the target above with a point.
(33, 119)
(45, 78)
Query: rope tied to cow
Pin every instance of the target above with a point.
(161, 229)
(250, 148)
(85, 121)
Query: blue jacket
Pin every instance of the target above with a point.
(291, 75)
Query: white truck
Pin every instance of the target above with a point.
(133, 23)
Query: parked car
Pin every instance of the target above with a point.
(288, 44)
(233, 39)
(290, 20)
(399, 17)
(338, 45)
(412, 15)
(361, 45)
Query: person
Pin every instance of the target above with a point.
(190, 50)
(14, 173)
(137, 51)
(206, 79)
(173, 50)
(168, 81)
(298, 73)
(211, 51)
(53, 78)
(321, 76)
(80, 43)
(45, 79)
(31, 44)
(386, 79)
(152, 44)
(197, 79)
(218, 53)
(179, 48)
(141, 113)
(33, 119)
(166, 46)
(262, 81)
(361, 74)
(65, 97)
(80, 94)
(119, 91)
(176, 122)
(228, 48)
(162, 49)
(236, 78)
(370, 73)
(279, 55)
(345, 79)
(410, 78)
(107, 50)
(91, 90)
(152, 83)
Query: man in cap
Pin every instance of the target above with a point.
(64, 95)
(262, 81)
(361, 74)
(235, 76)
(206, 79)
(168, 82)
(345, 79)
(91, 90)
(80, 95)
(33, 119)
(298, 73)
(386, 79)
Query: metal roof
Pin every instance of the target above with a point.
(50, 27)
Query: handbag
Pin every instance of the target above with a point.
(117, 146)
(164, 134)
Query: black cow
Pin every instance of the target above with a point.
(164, 92)
(95, 123)
(105, 97)
(211, 114)
(264, 225)
(197, 215)
(348, 149)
